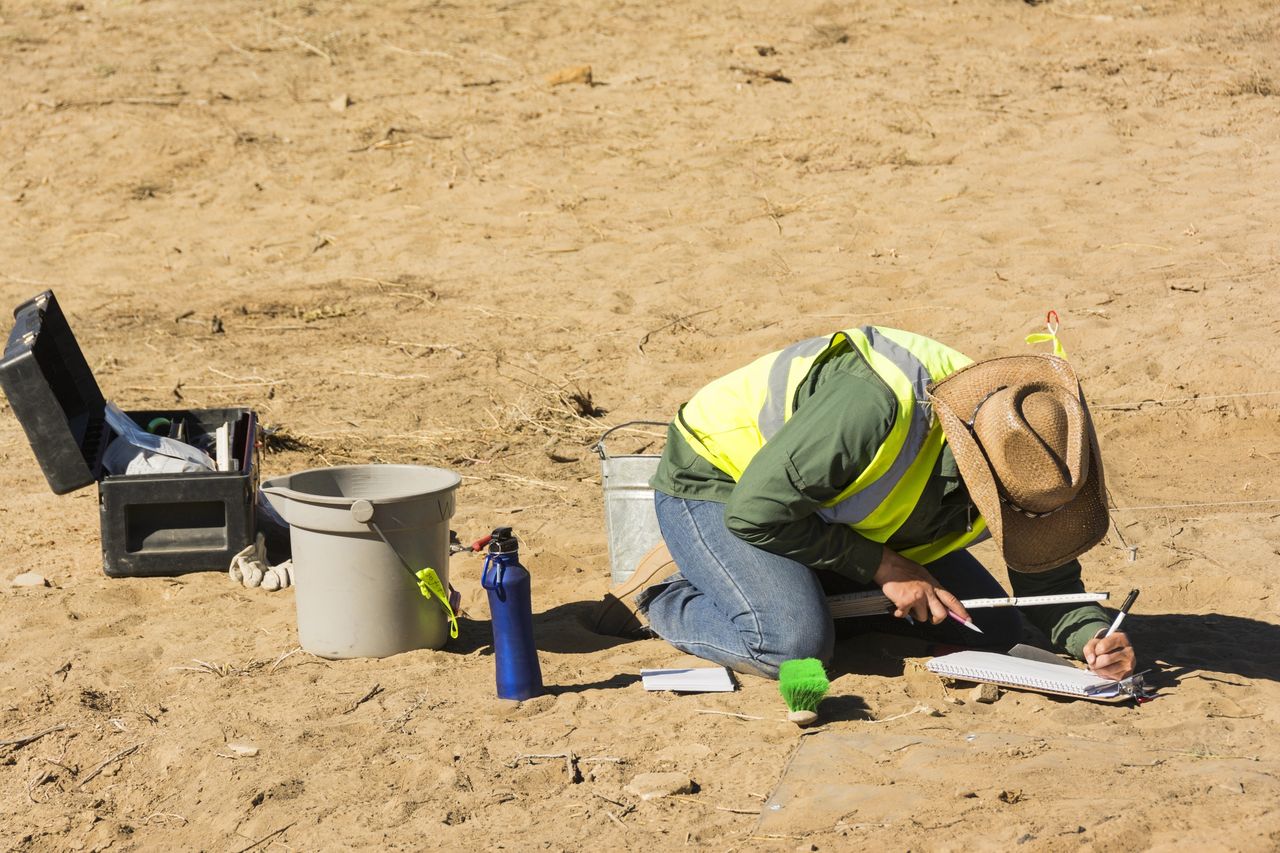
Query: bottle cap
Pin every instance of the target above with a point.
(503, 541)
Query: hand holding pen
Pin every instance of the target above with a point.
(916, 595)
(1110, 654)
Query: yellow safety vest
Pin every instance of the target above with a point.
(729, 420)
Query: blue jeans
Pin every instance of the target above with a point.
(738, 605)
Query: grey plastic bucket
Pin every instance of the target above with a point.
(354, 592)
(631, 524)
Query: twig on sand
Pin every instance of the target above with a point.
(606, 799)
(435, 53)
(312, 48)
(403, 720)
(222, 670)
(512, 478)
(717, 808)
(919, 709)
(20, 742)
(39, 779)
(267, 837)
(739, 716)
(570, 762)
(664, 327)
(147, 819)
(373, 691)
(104, 763)
(284, 657)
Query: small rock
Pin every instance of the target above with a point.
(1230, 787)
(572, 74)
(340, 103)
(953, 700)
(985, 693)
(29, 579)
(803, 719)
(241, 749)
(648, 786)
(1010, 796)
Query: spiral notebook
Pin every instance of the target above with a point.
(1026, 674)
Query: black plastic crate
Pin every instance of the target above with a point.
(152, 524)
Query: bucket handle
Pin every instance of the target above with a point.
(598, 447)
(427, 580)
(362, 513)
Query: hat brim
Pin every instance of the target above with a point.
(1027, 544)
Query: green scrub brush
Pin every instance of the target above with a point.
(803, 684)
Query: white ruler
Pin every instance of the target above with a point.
(876, 604)
(1033, 600)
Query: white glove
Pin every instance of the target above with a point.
(249, 568)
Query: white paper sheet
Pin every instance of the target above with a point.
(701, 679)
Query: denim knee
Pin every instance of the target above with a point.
(815, 641)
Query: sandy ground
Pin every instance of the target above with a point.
(418, 250)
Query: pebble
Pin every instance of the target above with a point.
(985, 693)
(649, 786)
(340, 103)
(572, 74)
(241, 749)
(29, 579)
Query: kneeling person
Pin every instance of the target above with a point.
(873, 458)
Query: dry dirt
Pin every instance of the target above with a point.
(381, 227)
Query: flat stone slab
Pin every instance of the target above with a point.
(649, 786)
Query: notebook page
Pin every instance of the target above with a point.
(702, 679)
(989, 666)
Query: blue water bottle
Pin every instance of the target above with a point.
(516, 656)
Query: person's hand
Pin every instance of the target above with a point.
(914, 591)
(1111, 657)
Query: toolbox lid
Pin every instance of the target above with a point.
(54, 395)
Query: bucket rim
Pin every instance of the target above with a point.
(276, 486)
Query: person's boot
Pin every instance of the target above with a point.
(618, 615)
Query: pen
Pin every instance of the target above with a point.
(965, 622)
(1124, 611)
(955, 616)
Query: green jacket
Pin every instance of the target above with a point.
(842, 415)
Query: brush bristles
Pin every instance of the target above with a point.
(803, 684)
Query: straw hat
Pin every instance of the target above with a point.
(1025, 446)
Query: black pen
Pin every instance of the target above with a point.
(1124, 611)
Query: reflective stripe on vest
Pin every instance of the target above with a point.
(902, 465)
(730, 420)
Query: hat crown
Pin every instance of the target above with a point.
(1034, 437)
(1016, 463)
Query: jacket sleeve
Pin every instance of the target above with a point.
(814, 456)
(1068, 626)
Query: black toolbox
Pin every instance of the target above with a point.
(152, 524)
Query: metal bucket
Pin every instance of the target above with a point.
(631, 524)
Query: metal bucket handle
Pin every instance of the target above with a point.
(362, 513)
(598, 447)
